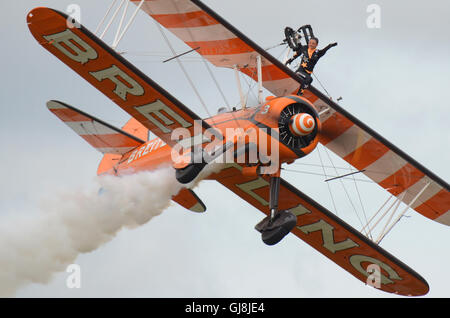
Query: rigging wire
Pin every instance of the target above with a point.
(320, 83)
(317, 165)
(104, 17)
(206, 64)
(328, 185)
(216, 83)
(360, 201)
(328, 175)
(182, 68)
(346, 192)
(252, 83)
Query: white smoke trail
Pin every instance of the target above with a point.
(34, 246)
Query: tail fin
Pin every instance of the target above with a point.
(100, 135)
(135, 128)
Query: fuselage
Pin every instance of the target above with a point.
(254, 128)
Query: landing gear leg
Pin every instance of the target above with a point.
(278, 224)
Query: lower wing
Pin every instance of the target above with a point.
(325, 232)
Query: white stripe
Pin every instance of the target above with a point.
(384, 167)
(430, 191)
(89, 128)
(413, 190)
(309, 119)
(167, 6)
(294, 126)
(348, 141)
(55, 105)
(444, 218)
(215, 32)
(321, 106)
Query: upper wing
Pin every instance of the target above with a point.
(114, 76)
(382, 161)
(327, 233)
(223, 45)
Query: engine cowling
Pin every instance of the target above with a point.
(299, 126)
(297, 122)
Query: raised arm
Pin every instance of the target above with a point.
(326, 48)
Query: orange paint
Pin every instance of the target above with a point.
(436, 205)
(366, 154)
(402, 179)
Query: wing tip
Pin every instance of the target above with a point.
(54, 104)
(444, 218)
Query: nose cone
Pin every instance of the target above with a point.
(302, 124)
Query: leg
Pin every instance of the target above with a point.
(306, 80)
(274, 193)
(278, 224)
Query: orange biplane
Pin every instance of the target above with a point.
(286, 126)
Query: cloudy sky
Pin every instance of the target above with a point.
(395, 79)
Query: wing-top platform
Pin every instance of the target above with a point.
(224, 46)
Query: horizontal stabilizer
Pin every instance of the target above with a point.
(189, 200)
(100, 135)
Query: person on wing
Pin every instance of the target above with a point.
(310, 55)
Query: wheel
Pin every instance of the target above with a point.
(281, 225)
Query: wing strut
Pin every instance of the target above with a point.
(260, 84)
(385, 232)
(119, 32)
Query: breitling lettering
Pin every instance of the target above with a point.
(375, 277)
(358, 260)
(154, 113)
(327, 236)
(65, 42)
(115, 74)
(329, 243)
(78, 50)
(250, 186)
(146, 149)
